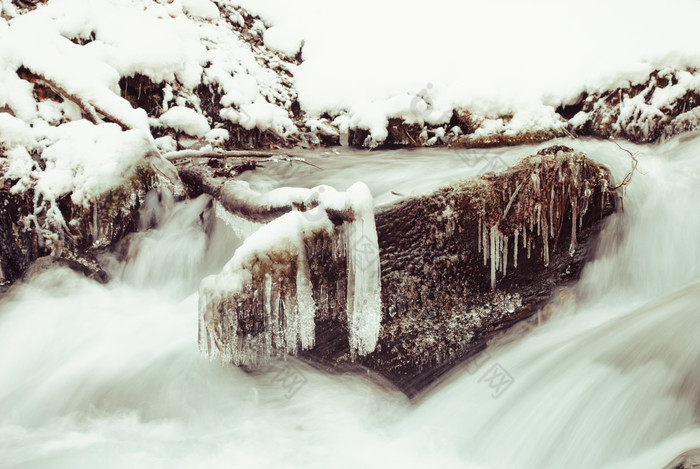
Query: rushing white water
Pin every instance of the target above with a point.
(111, 376)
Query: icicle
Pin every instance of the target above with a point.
(494, 255)
(538, 208)
(485, 242)
(497, 252)
(529, 246)
(267, 305)
(305, 303)
(545, 241)
(364, 308)
(524, 236)
(275, 319)
(574, 218)
(504, 265)
(242, 227)
(479, 237)
(551, 213)
(535, 182)
(515, 249)
(291, 323)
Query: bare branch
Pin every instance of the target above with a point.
(90, 111)
(184, 154)
(628, 177)
(219, 154)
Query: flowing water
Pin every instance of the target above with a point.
(110, 375)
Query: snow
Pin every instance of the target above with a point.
(217, 136)
(14, 132)
(166, 144)
(363, 62)
(60, 97)
(185, 120)
(261, 115)
(87, 159)
(83, 48)
(374, 60)
(201, 9)
(284, 235)
(81, 159)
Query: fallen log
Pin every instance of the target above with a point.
(457, 266)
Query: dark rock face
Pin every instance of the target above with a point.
(210, 98)
(688, 460)
(18, 243)
(46, 263)
(143, 93)
(26, 234)
(449, 275)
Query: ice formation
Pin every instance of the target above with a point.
(538, 207)
(262, 303)
(364, 286)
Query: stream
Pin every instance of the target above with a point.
(110, 376)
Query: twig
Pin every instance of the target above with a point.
(629, 175)
(88, 109)
(295, 158)
(512, 198)
(219, 154)
(570, 133)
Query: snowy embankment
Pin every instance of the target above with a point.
(72, 60)
(91, 92)
(506, 67)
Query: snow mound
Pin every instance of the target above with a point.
(85, 160)
(185, 120)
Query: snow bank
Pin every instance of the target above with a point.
(72, 124)
(508, 63)
(377, 60)
(82, 49)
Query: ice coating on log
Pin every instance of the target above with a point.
(262, 303)
(240, 226)
(283, 305)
